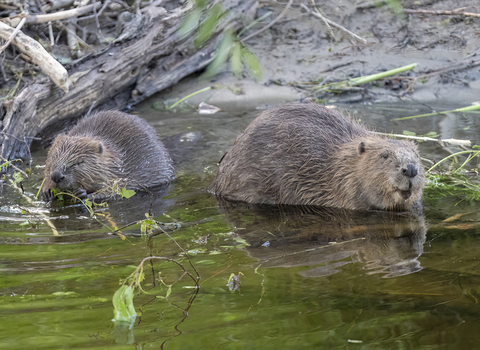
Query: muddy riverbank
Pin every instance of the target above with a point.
(300, 49)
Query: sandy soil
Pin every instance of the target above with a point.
(300, 48)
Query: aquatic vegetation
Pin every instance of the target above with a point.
(457, 180)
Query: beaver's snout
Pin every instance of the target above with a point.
(410, 171)
(57, 176)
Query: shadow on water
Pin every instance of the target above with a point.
(287, 236)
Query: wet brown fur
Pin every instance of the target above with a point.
(306, 154)
(105, 147)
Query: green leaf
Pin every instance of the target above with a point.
(208, 26)
(236, 60)
(222, 54)
(431, 134)
(409, 133)
(252, 64)
(190, 23)
(169, 291)
(122, 301)
(126, 193)
(17, 177)
(63, 294)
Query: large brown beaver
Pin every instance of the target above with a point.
(306, 154)
(103, 148)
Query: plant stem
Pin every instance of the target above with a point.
(463, 109)
(368, 78)
(453, 155)
(187, 97)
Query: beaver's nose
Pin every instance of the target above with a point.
(57, 176)
(410, 170)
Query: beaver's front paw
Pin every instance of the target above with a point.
(47, 196)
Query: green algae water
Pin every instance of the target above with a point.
(270, 278)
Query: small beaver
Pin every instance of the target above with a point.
(105, 147)
(306, 154)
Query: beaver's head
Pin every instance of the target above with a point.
(79, 162)
(394, 175)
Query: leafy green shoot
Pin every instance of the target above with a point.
(205, 16)
(365, 79)
(207, 27)
(232, 49)
(187, 97)
(467, 109)
(124, 310)
(451, 184)
(457, 180)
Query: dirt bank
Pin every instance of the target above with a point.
(299, 48)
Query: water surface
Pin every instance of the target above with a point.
(320, 279)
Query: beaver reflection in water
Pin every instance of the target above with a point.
(306, 154)
(106, 147)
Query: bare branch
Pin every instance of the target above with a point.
(38, 55)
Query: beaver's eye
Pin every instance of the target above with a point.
(384, 155)
(76, 164)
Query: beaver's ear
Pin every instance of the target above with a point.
(361, 147)
(59, 139)
(100, 148)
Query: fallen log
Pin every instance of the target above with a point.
(146, 58)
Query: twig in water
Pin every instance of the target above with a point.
(463, 109)
(187, 97)
(462, 143)
(183, 250)
(270, 24)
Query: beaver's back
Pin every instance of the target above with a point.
(145, 160)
